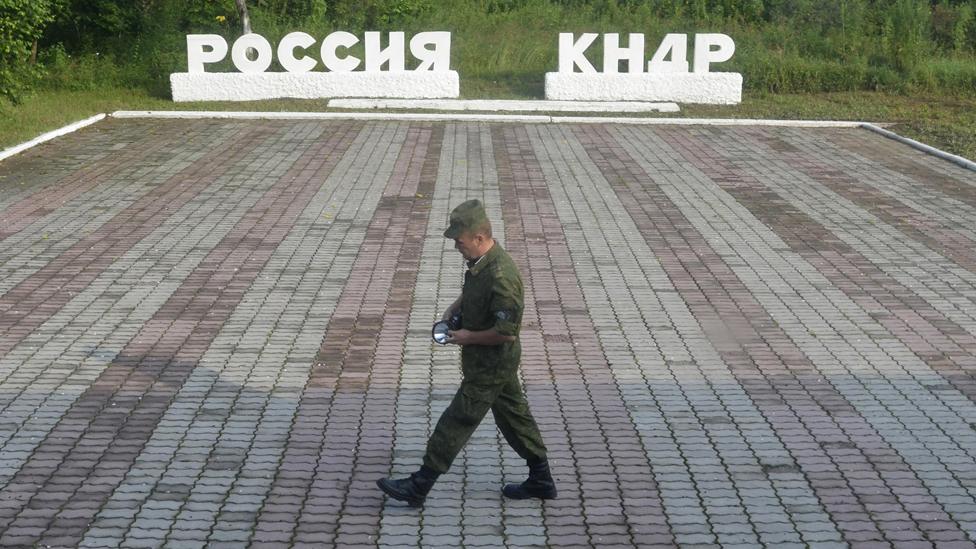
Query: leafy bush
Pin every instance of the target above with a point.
(946, 74)
(21, 24)
(782, 45)
(952, 25)
(904, 33)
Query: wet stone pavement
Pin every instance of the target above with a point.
(216, 333)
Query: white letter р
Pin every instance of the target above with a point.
(197, 56)
(571, 53)
(286, 52)
(704, 54)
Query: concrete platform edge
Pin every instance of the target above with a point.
(44, 137)
(955, 159)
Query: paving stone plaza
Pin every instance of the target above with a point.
(217, 333)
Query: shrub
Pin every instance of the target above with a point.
(782, 45)
(904, 33)
(21, 24)
(949, 75)
(951, 26)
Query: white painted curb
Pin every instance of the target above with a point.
(505, 105)
(705, 122)
(7, 153)
(537, 118)
(543, 119)
(955, 159)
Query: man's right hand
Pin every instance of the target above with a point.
(451, 309)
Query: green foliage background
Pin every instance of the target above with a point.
(22, 23)
(504, 47)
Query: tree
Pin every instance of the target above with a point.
(245, 19)
(21, 23)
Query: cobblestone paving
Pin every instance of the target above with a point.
(216, 334)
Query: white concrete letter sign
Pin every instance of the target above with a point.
(384, 65)
(286, 52)
(376, 55)
(704, 54)
(667, 77)
(262, 59)
(677, 46)
(330, 57)
(197, 56)
(438, 56)
(613, 54)
(572, 53)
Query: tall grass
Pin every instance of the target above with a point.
(504, 47)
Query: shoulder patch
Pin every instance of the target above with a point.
(503, 315)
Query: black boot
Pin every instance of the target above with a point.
(412, 489)
(539, 484)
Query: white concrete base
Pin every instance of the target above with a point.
(236, 86)
(504, 105)
(378, 116)
(718, 88)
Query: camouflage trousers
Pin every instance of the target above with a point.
(502, 394)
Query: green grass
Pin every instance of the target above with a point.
(948, 123)
(50, 109)
(814, 64)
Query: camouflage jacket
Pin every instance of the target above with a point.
(492, 298)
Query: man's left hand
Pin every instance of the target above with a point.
(459, 337)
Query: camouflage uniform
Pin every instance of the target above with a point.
(491, 298)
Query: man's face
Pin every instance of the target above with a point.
(469, 245)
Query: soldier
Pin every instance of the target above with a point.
(491, 310)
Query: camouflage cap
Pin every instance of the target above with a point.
(466, 217)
